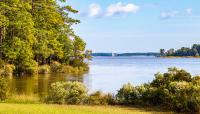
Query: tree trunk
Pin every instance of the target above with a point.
(33, 7)
(1, 39)
(1, 35)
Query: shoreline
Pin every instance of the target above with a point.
(178, 57)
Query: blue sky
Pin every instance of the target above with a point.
(137, 25)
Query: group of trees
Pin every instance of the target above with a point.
(184, 51)
(37, 32)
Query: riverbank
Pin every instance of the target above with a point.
(12, 108)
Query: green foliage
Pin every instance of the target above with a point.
(184, 51)
(36, 33)
(4, 88)
(57, 93)
(175, 89)
(173, 74)
(56, 67)
(76, 93)
(7, 70)
(67, 92)
(185, 97)
(127, 94)
(44, 69)
(98, 98)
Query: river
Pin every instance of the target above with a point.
(107, 74)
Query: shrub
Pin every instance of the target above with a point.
(76, 93)
(57, 93)
(56, 67)
(98, 98)
(173, 74)
(3, 89)
(27, 67)
(127, 94)
(44, 69)
(7, 70)
(155, 96)
(67, 92)
(185, 97)
(69, 69)
(196, 80)
(79, 63)
(176, 90)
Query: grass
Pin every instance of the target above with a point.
(22, 99)
(23, 104)
(12, 108)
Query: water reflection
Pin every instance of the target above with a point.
(38, 84)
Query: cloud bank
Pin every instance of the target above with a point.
(120, 8)
(95, 10)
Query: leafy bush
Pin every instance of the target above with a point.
(196, 80)
(4, 89)
(44, 69)
(67, 92)
(155, 96)
(98, 98)
(185, 97)
(76, 93)
(56, 67)
(127, 94)
(175, 89)
(67, 69)
(57, 93)
(7, 70)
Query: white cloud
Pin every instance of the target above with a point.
(94, 10)
(169, 14)
(189, 11)
(120, 8)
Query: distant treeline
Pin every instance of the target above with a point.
(126, 54)
(184, 51)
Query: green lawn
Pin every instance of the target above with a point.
(9, 108)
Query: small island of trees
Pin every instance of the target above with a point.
(194, 51)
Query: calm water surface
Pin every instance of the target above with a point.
(107, 74)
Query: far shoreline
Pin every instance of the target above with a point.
(178, 56)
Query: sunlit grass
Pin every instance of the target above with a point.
(31, 104)
(23, 99)
(8, 108)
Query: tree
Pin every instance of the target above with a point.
(37, 32)
(162, 52)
